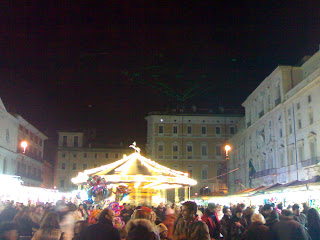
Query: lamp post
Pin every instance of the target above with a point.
(227, 148)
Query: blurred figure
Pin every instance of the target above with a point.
(305, 208)
(248, 214)
(9, 231)
(140, 229)
(81, 213)
(126, 213)
(313, 224)
(49, 229)
(238, 224)
(169, 222)
(225, 223)
(257, 230)
(189, 226)
(219, 212)
(212, 221)
(103, 230)
(163, 231)
(37, 214)
(299, 216)
(25, 223)
(8, 213)
(161, 211)
(79, 228)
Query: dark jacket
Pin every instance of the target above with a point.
(257, 231)
(225, 228)
(210, 219)
(302, 219)
(288, 229)
(161, 213)
(25, 226)
(101, 231)
(237, 232)
(195, 230)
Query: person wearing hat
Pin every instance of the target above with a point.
(238, 224)
(163, 231)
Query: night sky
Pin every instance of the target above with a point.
(78, 64)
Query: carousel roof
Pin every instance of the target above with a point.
(138, 169)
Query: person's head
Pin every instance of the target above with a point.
(140, 229)
(287, 212)
(51, 221)
(212, 207)
(313, 218)
(9, 231)
(243, 206)
(266, 210)
(161, 205)
(105, 215)
(170, 211)
(39, 209)
(305, 205)
(163, 231)
(127, 207)
(280, 206)
(296, 209)
(227, 211)
(141, 214)
(239, 211)
(257, 217)
(81, 206)
(189, 210)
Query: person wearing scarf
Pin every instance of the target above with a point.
(210, 217)
(81, 213)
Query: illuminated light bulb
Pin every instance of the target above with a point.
(227, 148)
(24, 145)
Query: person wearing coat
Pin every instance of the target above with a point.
(257, 230)
(225, 223)
(238, 224)
(169, 222)
(313, 224)
(49, 228)
(210, 219)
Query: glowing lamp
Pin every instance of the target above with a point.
(24, 145)
(227, 148)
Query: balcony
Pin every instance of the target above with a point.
(261, 113)
(277, 101)
(310, 162)
(265, 173)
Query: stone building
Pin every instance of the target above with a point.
(193, 143)
(277, 139)
(77, 151)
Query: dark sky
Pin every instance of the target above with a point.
(105, 64)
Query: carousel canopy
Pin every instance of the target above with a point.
(139, 170)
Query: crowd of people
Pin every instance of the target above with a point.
(67, 221)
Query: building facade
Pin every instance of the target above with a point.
(192, 143)
(277, 140)
(76, 153)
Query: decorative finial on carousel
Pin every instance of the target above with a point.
(134, 146)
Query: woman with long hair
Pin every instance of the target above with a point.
(81, 213)
(49, 229)
(313, 223)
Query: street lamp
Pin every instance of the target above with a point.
(227, 148)
(24, 145)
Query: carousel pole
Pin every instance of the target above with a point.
(176, 193)
(186, 194)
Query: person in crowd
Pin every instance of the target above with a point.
(248, 214)
(161, 211)
(81, 214)
(238, 224)
(25, 223)
(8, 213)
(225, 223)
(103, 229)
(163, 231)
(49, 229)
(126, 213)
(266, 210)
(305, 208)
(148, 214)
(287, 228)
(313, 218)
(210, 218)
(257, 230)
(79, 228)
(299, 216)
(189, 226)
(140, 229)
(219, 212)
(37, 214)
(9, 231)
(68, 220)
(169, 222)
(273, 219)
(177, 210)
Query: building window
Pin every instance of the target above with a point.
(309, 99)
(299, 124)
(282, 160)
(106, 155)
(160, 129)
(63, 166)
(298, 106)
(64, 141)
(18, 167)
(189, 130)
(290, 128)
(204, 150)
(63, 155)
(190, 171)
(116, 155)
(232, 130)
(85, 155)
(289, 111)
(301, 153)
(74, 166)
(74, 155)
(280, 132)
(203, 130)
(160, 148)
(291, 157)
(175, 129)
(175, 148)
(310, 118)
(218, 150)
(96, 155)
(204, 173)
(189, 148)
(62, 183)
(76, 141)
(218, 130)
(313, 153)
(175, 157)
(40, 142)
(84, 166)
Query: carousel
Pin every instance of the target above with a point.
(133, 179)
